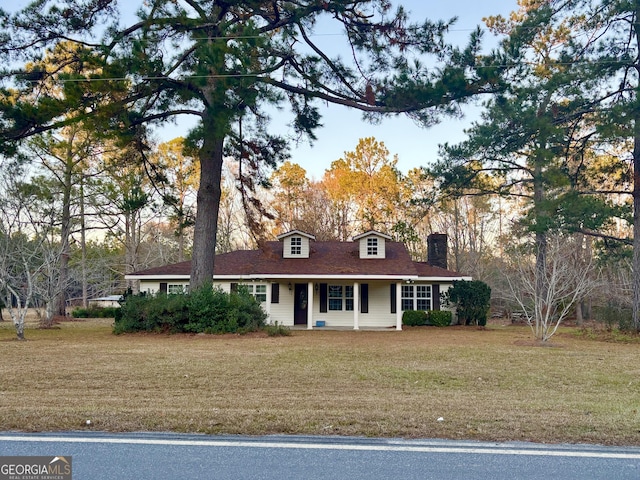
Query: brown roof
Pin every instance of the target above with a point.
(326, 258)
(426, 270)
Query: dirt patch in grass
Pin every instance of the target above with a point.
(488, 384)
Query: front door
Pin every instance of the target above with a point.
(300, 304)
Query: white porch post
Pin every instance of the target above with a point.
(310, 306)
(267, 303)
(399, 306)
(356, 306)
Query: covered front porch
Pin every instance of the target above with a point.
(337, 304)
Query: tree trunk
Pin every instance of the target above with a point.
(83, 246)
(20, 330)
(60, 302)
(209, 192)
(579, 314)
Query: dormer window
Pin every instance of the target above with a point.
(372, 244)
(296, 246)
(372, 247)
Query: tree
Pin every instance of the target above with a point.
(609, 47)
(290, 184)
(222, 62)
(29, 253)
(566, 276)
(601, 47)
(374, 182)
(530, 136)
(177, 177)
(336, 183)
(233, 233)
(365, 188)
(127, 198)
(65, 158)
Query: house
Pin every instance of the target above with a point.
(104, 302)
(365, 283)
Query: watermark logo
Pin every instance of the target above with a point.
(35, 468)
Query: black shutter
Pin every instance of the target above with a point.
(392, 291)
(323, 298)
(275, 293)
(435, 291)
(364, 298)
(163, 287)
(234, 287)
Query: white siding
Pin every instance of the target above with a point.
(379, 314)
(282, 312)
(153, 286)
(379, 307)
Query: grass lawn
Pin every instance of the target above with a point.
(492, 384)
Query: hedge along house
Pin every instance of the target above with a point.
(366, 283)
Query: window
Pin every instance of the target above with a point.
(416, 297)
(340, 298)
(335, 297)
(407, 297)
(177, 289)
(296, 245)
(423, 297)
(348, 298)
(372, 247)
(259, 292)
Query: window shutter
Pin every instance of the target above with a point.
(323, 298)
(163, 287)
(435, 291)
(275, 293)
(364, 298)
(234, 287)
(392, 291)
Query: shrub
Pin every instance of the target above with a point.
(615, 316)
(131, 315)
(472, 300)
(277, 330)
(414, 318)
(440, 318)
(207, 308)
(204, 310)
(95, 312)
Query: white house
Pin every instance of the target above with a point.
(365, 283)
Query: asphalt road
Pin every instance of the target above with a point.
(103, 456)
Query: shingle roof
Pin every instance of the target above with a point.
(426, 270)
(325, 258)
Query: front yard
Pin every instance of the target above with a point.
(454, 382)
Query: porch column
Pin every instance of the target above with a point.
(310, 306)
(356, 306)
(399, 306)
(267, 303)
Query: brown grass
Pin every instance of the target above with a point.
(492, 384)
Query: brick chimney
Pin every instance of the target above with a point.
(437, 250)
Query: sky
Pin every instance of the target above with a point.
(342, 128)
(414, 145)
